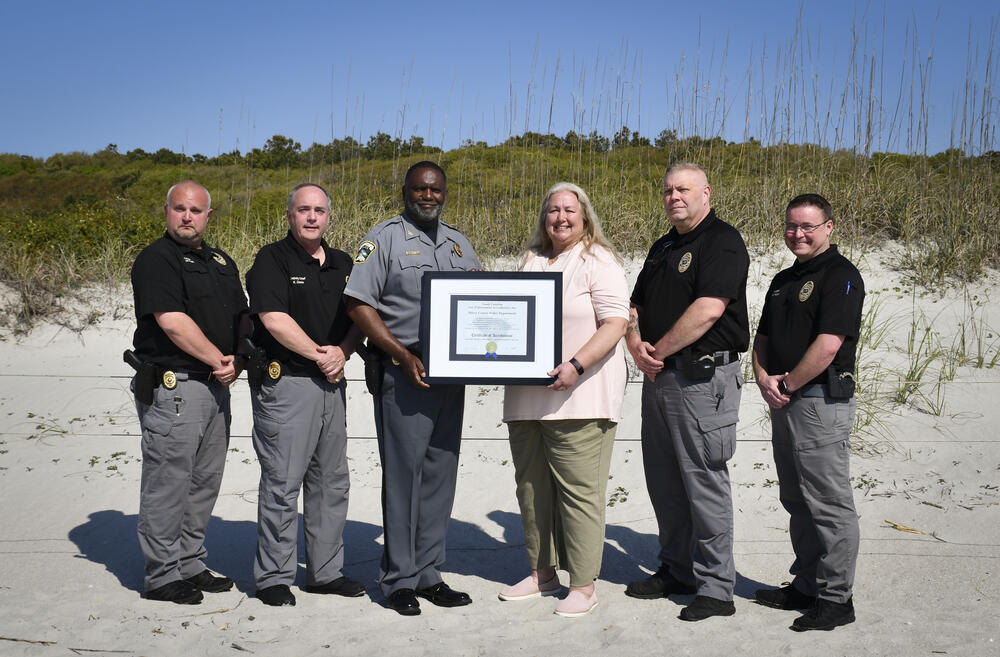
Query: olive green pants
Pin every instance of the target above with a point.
(561, 470)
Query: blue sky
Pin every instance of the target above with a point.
(210, 77)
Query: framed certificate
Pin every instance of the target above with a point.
(491, 328)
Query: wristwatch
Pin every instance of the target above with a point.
(576, 364)
(783, 389)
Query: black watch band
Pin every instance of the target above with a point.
(783, 389)
(575, 363)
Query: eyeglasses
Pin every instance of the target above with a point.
(807, 229)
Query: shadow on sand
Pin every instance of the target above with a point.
(108, 537)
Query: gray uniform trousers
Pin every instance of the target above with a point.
(688, 434)
(811, 441)
(419, 434)
(185, 435)
(300, 436)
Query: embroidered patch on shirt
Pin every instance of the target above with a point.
(219, 259)
(366, 249)
(806, 291)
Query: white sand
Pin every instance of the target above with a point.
(71, 572)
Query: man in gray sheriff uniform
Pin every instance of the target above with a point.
(299, 416)
(688, 325)
(804, 359)
(419, 426)
(190, 311)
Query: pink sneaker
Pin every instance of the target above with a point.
(528, 588)
(576, 603)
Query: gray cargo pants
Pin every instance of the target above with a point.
(811, 441)
(185, 435)
(688, 434)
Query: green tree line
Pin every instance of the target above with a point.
(77, 218)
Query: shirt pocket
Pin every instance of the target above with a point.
(197, 280)
(411, 272)
(461, 262)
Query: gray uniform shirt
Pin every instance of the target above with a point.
(390, 265)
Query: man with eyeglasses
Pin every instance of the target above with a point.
(803, 360)
(688, 323)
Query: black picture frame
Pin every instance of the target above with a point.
(465, 314)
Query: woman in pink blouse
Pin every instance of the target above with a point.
(561, 435)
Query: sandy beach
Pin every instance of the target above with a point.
(926, 490)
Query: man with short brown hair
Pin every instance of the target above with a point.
(803, 360)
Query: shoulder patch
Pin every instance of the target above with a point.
(685, 262)
(806, 291)
(366, 249)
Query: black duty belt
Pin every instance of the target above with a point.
(720, 358)
(168, 378)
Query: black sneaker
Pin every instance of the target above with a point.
(787, 597)
(209, 583)
(825, 615)
(278, 595)
(705, 607)
(179, 592)
(658, 585)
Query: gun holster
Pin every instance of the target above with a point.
(700, 369)
(374, 367)
(145, 380)
(256, 362)
(839, 385)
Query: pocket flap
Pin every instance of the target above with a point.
(718, 420)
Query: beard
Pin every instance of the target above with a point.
(417, 214)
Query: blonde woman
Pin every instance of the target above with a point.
(561, 435)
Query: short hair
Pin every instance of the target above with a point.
(813, 200)
(190, 182)
(291, 194)
(685, 166)
(425, 164)
(592, 233)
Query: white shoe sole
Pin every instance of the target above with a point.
(575, 614)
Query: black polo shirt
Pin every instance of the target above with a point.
(821, 295)
(202, 283)
(284, 278)
(709, 261)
